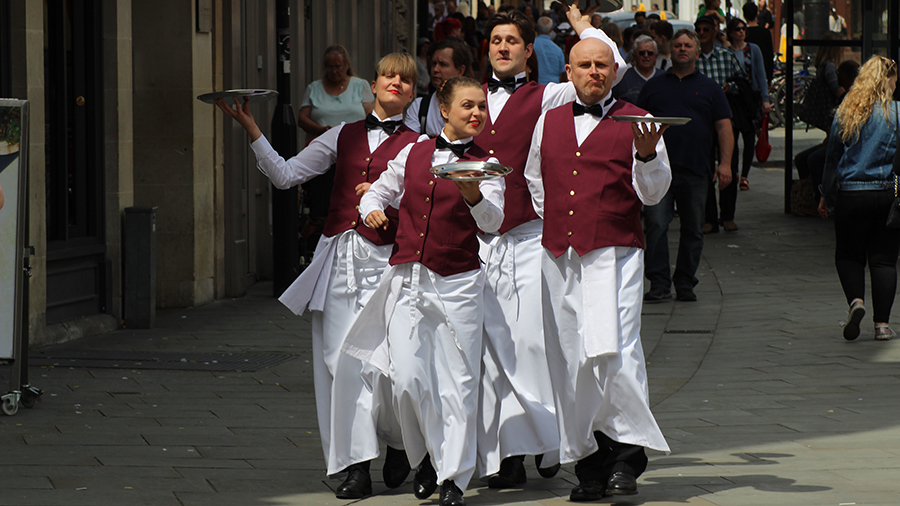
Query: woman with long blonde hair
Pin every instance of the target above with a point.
(858, 187)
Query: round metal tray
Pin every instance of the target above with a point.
(665, 120)
(253, 95)
(471, 171)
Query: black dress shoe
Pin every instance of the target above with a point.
(587, 491)
(396, 467)
(657, 295)
(545, 472)
(357, 485)
(451, 495)
(511, 475)
(621, 483)
(425, 481)
(685, 295)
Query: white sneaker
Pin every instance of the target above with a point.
(854, 316)
(884, 333)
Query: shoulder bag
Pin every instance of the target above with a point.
(893, 219)
(818, 106)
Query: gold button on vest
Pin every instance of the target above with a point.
(572, 192)
(574, 172)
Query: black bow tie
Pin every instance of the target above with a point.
(593, 110)
(509, 84)
(458, 149)
(387, 126)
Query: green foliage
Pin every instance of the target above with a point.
(10, 127)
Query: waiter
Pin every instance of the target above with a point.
(516, 411)
(588, 181)
(346, 269)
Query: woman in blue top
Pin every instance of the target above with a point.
(858, 186)
(751, 57)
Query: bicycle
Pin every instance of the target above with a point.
(778, 90)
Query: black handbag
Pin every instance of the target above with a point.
(893, 219)
(818, 106)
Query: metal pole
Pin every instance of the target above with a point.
(285, 218)
(789, 106)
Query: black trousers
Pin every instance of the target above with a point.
(611, 457)
(861, 238)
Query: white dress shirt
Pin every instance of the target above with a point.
(434, 122)
(314, 160)
(388, 189)
(650, 180)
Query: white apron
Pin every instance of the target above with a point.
(432, 355)
(605, 392)
(344, 274)
(516, 411)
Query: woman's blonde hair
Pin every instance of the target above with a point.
(342, 52)
(401, 64)
(872, 87)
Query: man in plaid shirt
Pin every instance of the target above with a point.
(721, 65)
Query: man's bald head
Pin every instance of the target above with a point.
(592, 69)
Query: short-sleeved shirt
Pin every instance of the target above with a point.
(721, 65)
(551, 62)
(330, 110)
(697, 97)
(629, 88)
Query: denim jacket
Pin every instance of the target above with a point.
(866, 163)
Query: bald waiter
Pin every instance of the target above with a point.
(588, 181)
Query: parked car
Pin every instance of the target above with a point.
(626, 19)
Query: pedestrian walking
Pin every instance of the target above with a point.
(684, 91)
(859, 187)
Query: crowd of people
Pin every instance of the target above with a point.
(467, 323)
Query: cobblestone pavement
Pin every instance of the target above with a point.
(761, 400)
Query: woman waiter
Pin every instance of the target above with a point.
(430, 302)
(345, 271)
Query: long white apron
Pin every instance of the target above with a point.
(432, 355)
(608, 392)
(516, 411)
(350, 410)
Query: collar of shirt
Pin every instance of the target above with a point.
(392, 118)
(586, 123)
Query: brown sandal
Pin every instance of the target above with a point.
(745, 184)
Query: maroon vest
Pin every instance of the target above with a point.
(509, 141)
(436, 225)
(355, 165)
(589, 202)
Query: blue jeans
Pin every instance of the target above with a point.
(688, 191)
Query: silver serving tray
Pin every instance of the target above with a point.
(665, 120)
(471, 171)
(253, 95)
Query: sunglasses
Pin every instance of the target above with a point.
(646, 53)
(739, 29)
(891, 64)
(704, 29)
